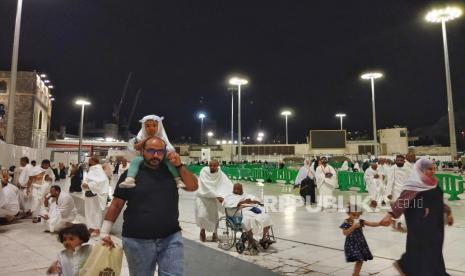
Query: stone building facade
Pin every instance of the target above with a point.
(33, 109)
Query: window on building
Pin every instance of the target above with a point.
(40, 120)
(2, 111)
(3, 86)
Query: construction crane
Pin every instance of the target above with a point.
(131, 114)
(117, 110)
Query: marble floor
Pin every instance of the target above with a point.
(308, 243)
(312, 241)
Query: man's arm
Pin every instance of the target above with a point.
(113, 212)
(189, 179)
(115, 208)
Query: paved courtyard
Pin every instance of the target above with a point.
(308, 243)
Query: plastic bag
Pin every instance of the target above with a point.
(103, 261)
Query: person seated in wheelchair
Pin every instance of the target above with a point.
(254, 217)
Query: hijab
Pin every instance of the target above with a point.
(418, 180)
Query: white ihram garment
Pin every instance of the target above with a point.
(9, 200)
(325, 184)
(250, 220)
(25, 200)
(374, 185)
(211, 186)
(94, 206)
(396, 178)
(61, 212)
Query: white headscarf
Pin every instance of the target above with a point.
(304, 171)
(160, 132)
(418, 180)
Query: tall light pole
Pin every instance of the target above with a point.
(82, 103)
(209, 135)
(232, 123)
(201, 117)
(341, 116)
(286, 113)
(13, 76)
(239, 82)
(372, 76)
(442, 16)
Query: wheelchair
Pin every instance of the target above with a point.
(231, 233)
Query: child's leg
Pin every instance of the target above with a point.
(133, 169)
(358, 268)
(174, 172)
(134, 166)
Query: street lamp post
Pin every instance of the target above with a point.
(13, 77)
(442, 16)
(239, 82)
(286, 113)
(82, 103)
(341, 116)
(232, 123)
(209, 135)
(201, 117)
(372, 76)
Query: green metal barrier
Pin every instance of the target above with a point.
(347, 180)
(451, 184)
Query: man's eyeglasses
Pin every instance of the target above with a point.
(155, 151)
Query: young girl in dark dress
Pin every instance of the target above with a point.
(356, 247)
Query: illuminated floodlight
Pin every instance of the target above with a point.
(82, 102)
(371, 75)
(238, 81)
(443, 15)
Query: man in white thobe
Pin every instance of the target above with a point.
(396, 177)
(345, 166)
(61, 209)
(374, 183)
(9, 198)
(124, 166)
(326, 182)
(398, 174)
(96, 187)
(37, 187)
(410, 159)
(254, 218)
(214, 185)
(21, 180)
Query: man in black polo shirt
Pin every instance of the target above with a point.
(151, 232)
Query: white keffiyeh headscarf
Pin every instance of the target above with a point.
(160, 132)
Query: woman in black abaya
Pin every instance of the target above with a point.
(421, 201)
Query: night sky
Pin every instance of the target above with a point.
(306, 55)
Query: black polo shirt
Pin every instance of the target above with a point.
(152, 206)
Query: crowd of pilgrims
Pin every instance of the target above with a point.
(37, 192)
(409, 187)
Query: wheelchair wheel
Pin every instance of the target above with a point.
(240, 247)
(253, 250)
(226, 235)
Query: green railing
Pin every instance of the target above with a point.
(451, 184)
(252, 173)
(347, 180)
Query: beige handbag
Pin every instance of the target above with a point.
(103, 261)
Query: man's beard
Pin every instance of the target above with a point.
(400, 165)
(154, 161)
